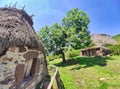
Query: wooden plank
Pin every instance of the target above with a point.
(52, 79)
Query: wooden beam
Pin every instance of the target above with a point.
(53, 78)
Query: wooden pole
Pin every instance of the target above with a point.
(52, 79)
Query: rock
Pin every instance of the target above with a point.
(102, 78)
(6, 59)
(31, 55)
(19, 74)
(22, 49)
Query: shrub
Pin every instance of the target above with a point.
(115, 49)
(53, 57)
(72, 53)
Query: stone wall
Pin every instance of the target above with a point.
(22, 67)
(95, 51)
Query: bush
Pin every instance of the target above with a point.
(115, 49)
(72, 53)
(53, 57)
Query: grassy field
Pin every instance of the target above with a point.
(117, 38)
(90, 73)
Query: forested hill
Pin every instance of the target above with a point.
(117, 38)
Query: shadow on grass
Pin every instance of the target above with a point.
(84, 62)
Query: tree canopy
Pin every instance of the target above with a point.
(54, 39)
(76, 24)
(72, 33)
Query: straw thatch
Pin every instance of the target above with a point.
(16, 30)
(102, 39)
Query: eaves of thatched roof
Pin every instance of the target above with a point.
(16, 30)
(94, 47)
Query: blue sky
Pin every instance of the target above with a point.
(104, 14)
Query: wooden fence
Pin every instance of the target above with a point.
(56, 82)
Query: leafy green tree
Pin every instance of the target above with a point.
(73, 33)
(115, 49)
(45, 36)
(54, 38)
(76, 24)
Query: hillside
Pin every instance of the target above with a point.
(117, 38)
(90, 73)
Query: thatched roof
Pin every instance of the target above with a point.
(102, 39)
(94, 47)
(16, 29)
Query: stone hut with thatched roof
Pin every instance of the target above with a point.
(100, 41)
(95, 51)
(22, 57)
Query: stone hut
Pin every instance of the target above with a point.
(95, 51)
(22, 57)
(100, 41)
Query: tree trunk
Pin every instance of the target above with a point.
(63, 57)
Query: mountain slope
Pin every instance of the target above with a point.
(117, 38)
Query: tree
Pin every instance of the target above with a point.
(76, 24)
(45, 36)
(54, 38)
(72, 33)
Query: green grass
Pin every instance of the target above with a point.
(117, 38)
(90, 73)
